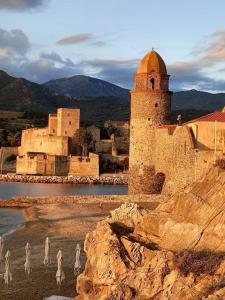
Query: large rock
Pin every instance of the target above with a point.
(175, 252)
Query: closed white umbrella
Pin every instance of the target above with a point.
(27, 264)
(77, 265)
(60, 276)
(1, 252)
(7, 275)
(47, 252)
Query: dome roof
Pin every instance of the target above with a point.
(152, 61)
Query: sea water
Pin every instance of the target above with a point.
(11, 219)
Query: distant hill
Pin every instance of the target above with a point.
(85, 86)
(18, 94)
(198, 100)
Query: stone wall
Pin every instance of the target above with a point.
(178, 158)
(84, 166)
(41, 164)
(5, 153)
(209, 135)
(35, 140)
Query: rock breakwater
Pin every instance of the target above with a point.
(110, 179)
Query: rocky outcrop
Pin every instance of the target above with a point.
(175, 252)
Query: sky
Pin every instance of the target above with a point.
(42, 40)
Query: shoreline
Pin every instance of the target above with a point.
(103, 179)
(66, 222)
(22, 202)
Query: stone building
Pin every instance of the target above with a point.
(46, 151)
(150, 108)
(163, 157)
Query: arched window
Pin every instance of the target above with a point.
(152, 82)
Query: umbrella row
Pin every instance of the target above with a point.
(5, 263)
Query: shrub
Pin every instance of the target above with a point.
(221, 163)
(202, 262)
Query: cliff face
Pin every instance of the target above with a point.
(175, 252)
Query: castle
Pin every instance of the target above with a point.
(48, 151)
(163, 157)
(45, 151)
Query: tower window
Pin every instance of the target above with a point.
(69, 122)
(156, 105)
(152, 82)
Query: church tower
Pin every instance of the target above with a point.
(150, 108)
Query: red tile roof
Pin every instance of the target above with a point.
(215, 116)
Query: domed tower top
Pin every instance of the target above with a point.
(152, 61)
(151, 74)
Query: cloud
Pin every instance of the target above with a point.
(76, 39)
(14, 41)
(188, 76)
(81, 38)
(55, 57)
(21, 4)
(43, 70)
(116, 71)
(196, 73)
(208, 55)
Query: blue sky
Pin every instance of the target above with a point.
(47, 39)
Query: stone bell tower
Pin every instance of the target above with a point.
(150, 108)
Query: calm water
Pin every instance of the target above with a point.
(8, 190)
(10, 219)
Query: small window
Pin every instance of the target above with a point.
(152, 81)
(69, 122)
(68, 114)
(156, 105)
(53, 130)
(65, 132)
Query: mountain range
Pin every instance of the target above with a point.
(85, 86)
(98, 100)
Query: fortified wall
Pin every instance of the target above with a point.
(40, 164)
(178, 157)
(85, 165)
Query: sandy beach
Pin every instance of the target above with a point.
(66, 224)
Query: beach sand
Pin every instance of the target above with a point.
(66, 225)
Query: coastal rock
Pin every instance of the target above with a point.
(175, 252)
